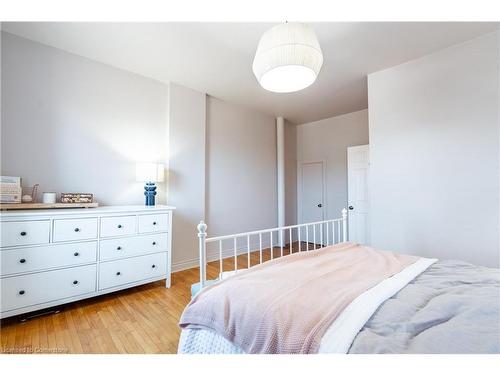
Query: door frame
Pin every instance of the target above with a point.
(324, 210)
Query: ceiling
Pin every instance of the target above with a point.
(216, 58)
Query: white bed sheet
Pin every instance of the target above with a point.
(339, 336)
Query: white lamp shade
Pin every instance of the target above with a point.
(288, 58)
(149, 172)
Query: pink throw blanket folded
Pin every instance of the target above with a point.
(286, 305)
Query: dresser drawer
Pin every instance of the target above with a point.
(17, 233)
(118, 226)
(40, 258)
(125, 271)
(154, 223)
(75, 229)
(132, 246)
(27, 290)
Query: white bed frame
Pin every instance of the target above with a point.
(337, 228)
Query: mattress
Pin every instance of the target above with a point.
(451, 307)
(354, 328)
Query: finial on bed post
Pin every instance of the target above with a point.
(202, 234)
(344, 225)
(202, 228)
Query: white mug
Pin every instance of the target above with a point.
(49, 198)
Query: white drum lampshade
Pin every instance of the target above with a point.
(288, 58)
(149, 172)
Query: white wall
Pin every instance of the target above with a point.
(186, 176)
(241, 169)
(434, 150)
(75, 125)
(328, 140)
(72, 124)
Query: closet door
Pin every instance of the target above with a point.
(312, 200)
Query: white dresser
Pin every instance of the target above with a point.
(51, 257)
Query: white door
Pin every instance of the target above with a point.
(312, 197)
(358, 163)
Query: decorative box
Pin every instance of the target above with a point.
(77, 198)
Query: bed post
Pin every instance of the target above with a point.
(344, 225)
(202, 234)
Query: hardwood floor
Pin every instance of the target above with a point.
(138, 320)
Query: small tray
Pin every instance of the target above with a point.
(35, 206)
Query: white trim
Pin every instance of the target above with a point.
(185, 265)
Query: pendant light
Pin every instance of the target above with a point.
(288, 58)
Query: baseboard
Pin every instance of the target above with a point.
(185, 265)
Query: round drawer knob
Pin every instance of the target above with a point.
(21, 292)
(154, 243)
(76, 253)
(77, 229)
(22, 260)
(23, 233)
(119, 248)
(118, 273)
(75, 282)
(153, 266)
(119, 226)
(154, 222)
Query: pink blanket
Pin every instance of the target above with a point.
(286, 305)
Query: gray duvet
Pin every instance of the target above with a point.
(452, 307)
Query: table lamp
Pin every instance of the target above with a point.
(150, 173)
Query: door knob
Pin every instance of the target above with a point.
(351, 207)
(320, 205)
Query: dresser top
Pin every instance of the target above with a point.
(86, 211)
